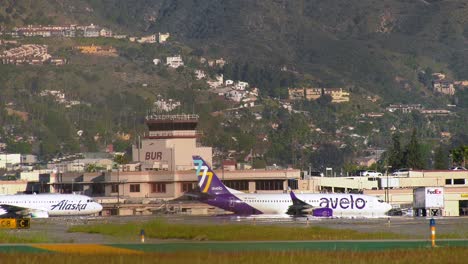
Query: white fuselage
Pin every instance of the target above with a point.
(52, 204)
(346, 205)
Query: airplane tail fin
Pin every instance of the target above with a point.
(208, 182)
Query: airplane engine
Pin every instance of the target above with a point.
(300, 210)
(322, 212)
(39, 214)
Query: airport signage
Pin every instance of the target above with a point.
(152, 155)
(13, 223)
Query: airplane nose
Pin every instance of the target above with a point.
(99, 207)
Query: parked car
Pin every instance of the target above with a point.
(359, 172)
(458, 168)
(371, 173)
(401, 172)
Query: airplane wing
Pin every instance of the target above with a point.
(16, 211)
(301, 208)
(198, 195)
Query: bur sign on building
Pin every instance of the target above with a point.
(170, 142)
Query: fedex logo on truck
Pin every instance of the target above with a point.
(434, 191)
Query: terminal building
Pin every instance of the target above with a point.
(162, 169)
(166, 170)
(399, 191)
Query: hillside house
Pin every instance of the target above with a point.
(174, 62)
(236, 95)
(216, 83)
(436, 112)
(217, 62)
(106, 33)
(338, 94)
(26, 54)
(404, 108)
(45, 31)
(220, 62)
(200, 74)
(443, 87)
(162, 37)
(98, 50)
(241, 85)
(296, 93)
(147, 39)
(91, 31)
(313, 93)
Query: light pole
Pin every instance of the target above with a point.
(118, 186)
(387, 193)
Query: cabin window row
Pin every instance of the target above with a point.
(280, 201)
(22, 202)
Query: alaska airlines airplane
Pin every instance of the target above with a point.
(215, 193)
(45, 205)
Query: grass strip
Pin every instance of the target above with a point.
(225, 232)
(16, 237)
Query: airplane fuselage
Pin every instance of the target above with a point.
(44, 205)
(346, 205)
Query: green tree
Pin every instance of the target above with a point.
(413, 153)
(120, 159)
(18, 147)
(460, 155)
(440, 158)
(395, 158)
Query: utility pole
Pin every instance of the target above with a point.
(387, 193)
(118, 187)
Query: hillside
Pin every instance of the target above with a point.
(371, 48)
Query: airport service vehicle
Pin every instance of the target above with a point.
(45, 205)
(215, 193)
(401, 172)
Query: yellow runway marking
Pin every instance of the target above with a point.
(86, 249)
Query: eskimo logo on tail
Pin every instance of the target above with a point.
(203, 174)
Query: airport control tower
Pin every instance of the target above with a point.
(170, 143)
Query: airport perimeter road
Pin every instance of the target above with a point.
(227, 246)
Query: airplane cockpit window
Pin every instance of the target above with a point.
(381, 201)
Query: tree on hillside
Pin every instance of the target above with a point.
(413, 155)
(328, 155)
(440, 158)
(460, 155)
(395, 158)
(18, 147)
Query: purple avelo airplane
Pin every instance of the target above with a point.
(215, 193)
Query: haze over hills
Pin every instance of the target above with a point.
(372, 48)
